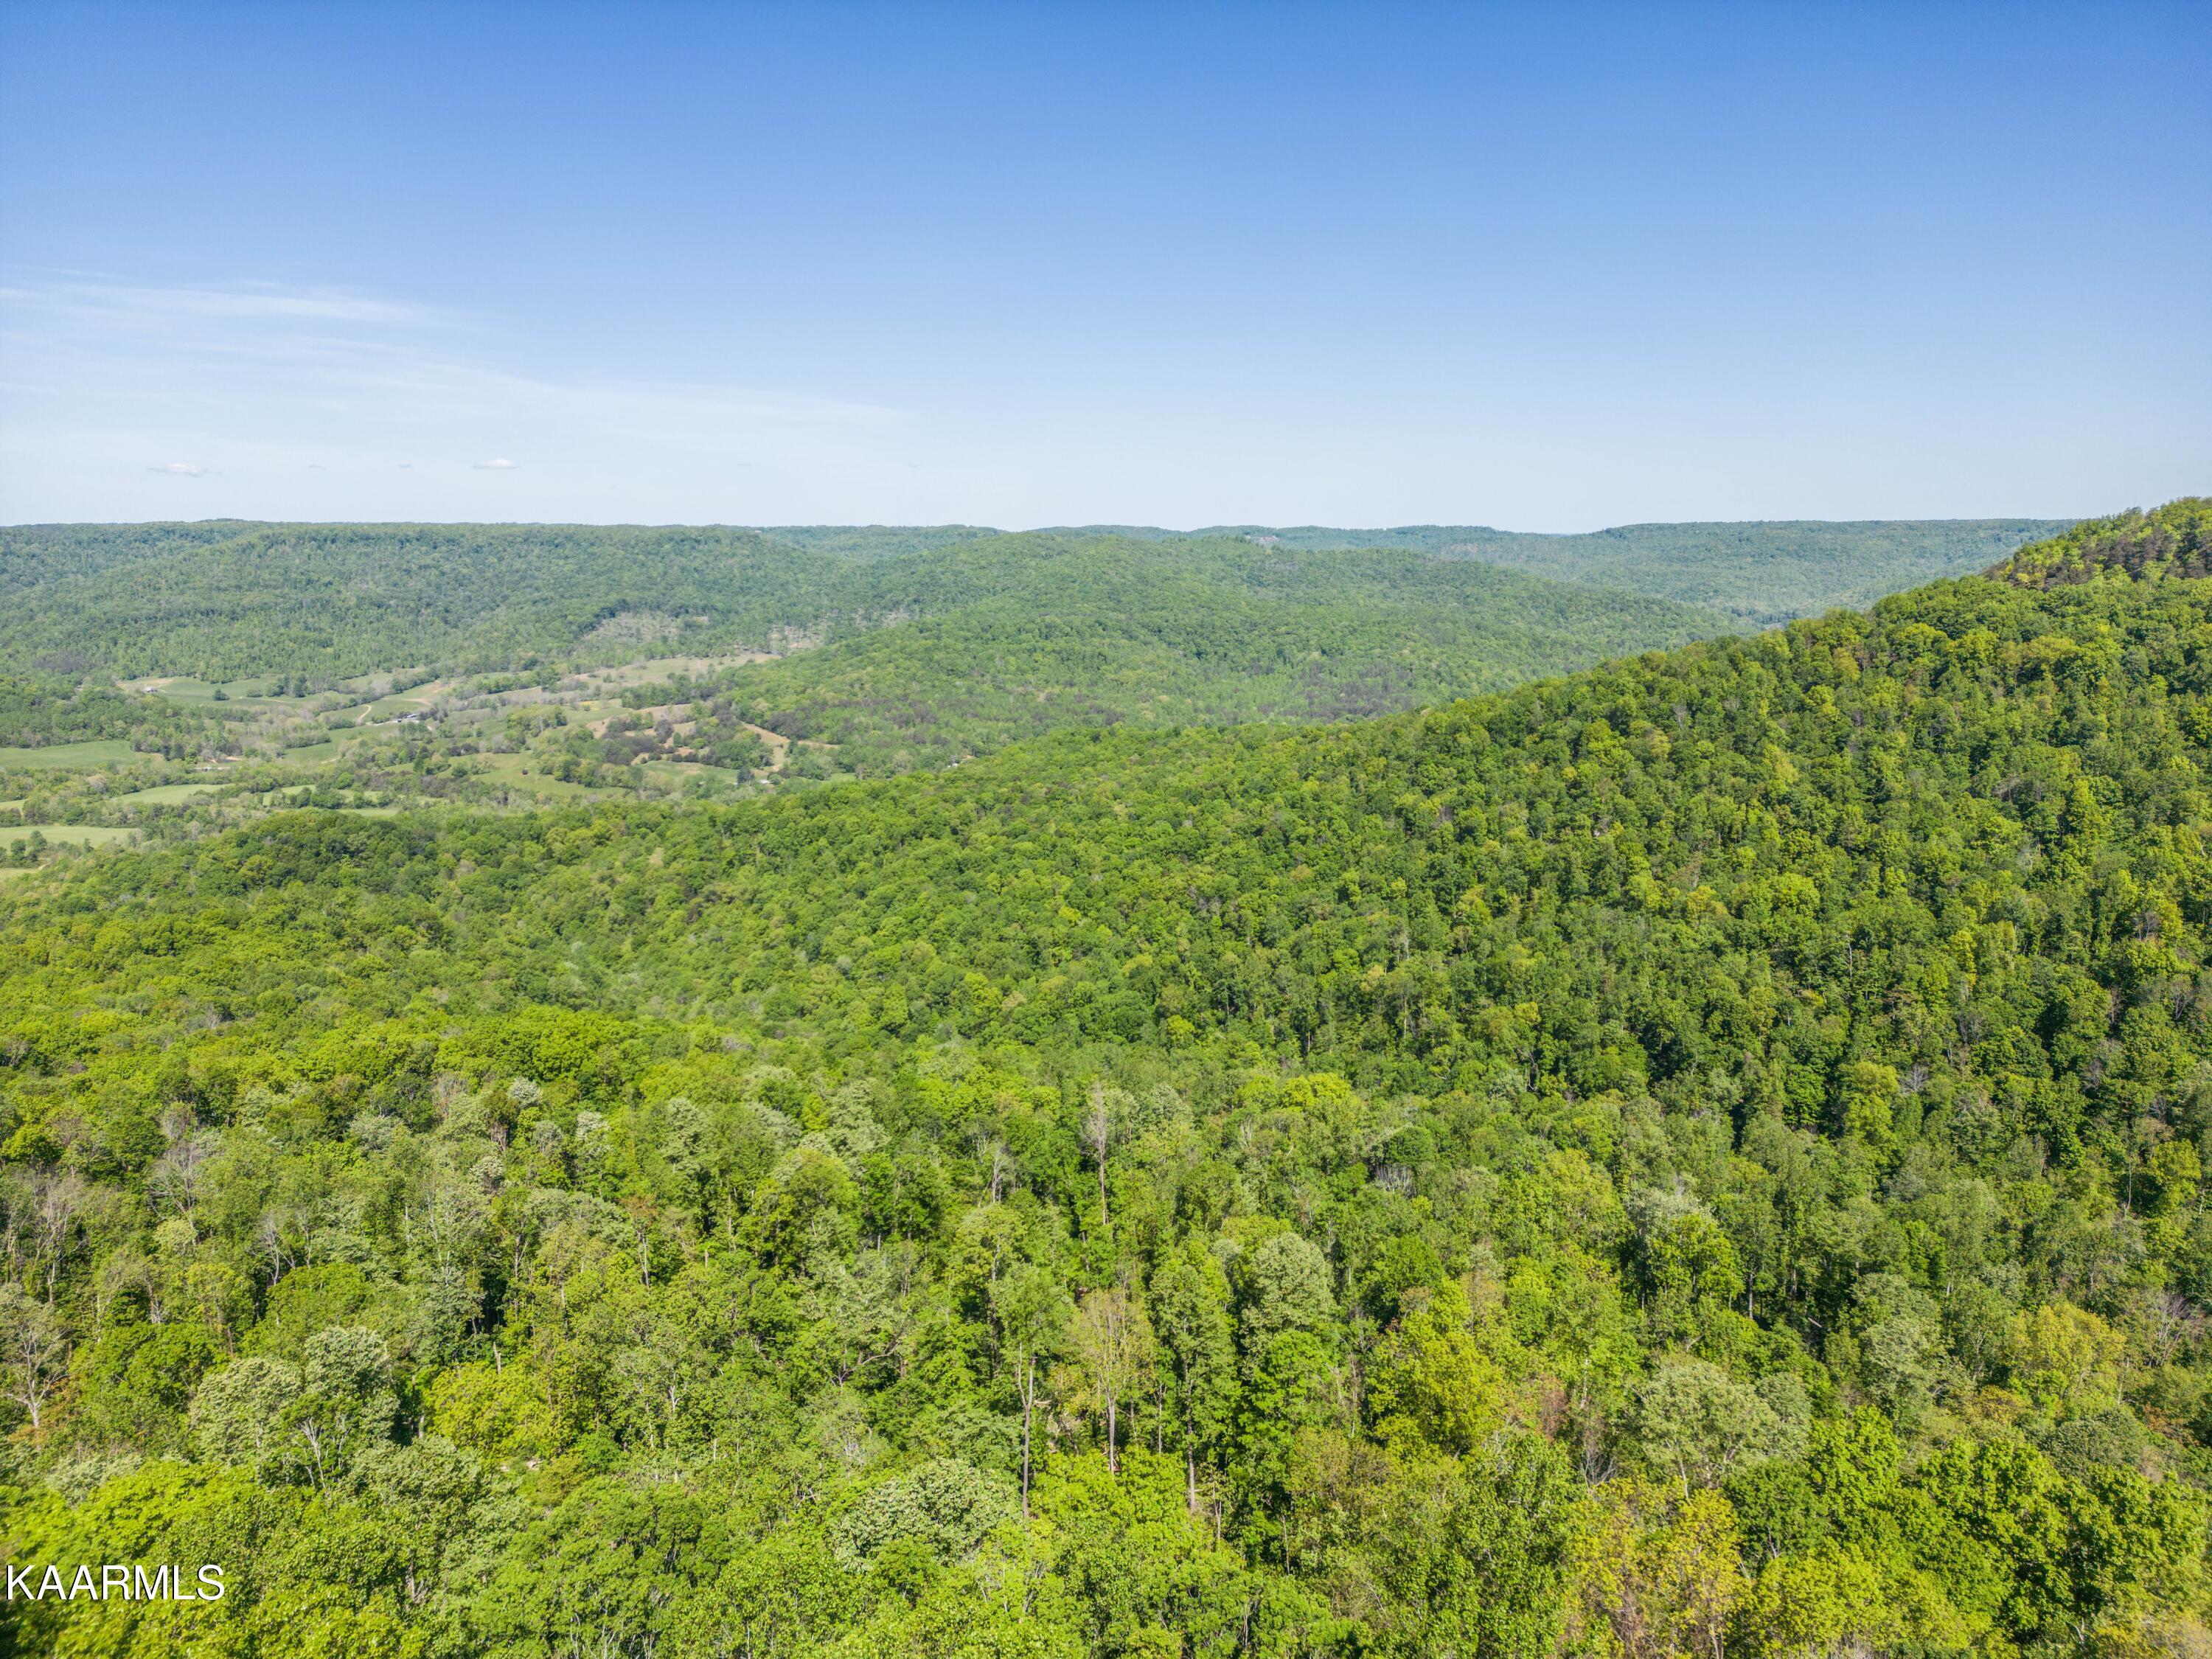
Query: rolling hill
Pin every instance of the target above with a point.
(1758, 573)
(950, 647)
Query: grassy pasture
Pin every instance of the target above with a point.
(77, 834)
(101, 751)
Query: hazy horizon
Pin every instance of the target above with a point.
(1064, 526)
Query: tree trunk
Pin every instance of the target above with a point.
(1029, 1398)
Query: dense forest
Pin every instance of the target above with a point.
(1758, 573)
(332, 602)
(2176, 541)
(223, 600)
(1700, 1157)
(1021, 634)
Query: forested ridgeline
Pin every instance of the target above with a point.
(1021, 634)
(876, 541)
(339, 600)
(333, 601)
(226, 599)
(1701, 1157)
(1758, 573)
(2174, 541)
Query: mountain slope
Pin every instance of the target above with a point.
(1010, 637)
(1759, 573)
(1705, 1155)
(332, 601)
(2174, 540)
(225, 600)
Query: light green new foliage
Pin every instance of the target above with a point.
(945, 1507)
(238, 1413)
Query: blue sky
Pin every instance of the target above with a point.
(1545, 268)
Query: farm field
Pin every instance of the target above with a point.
(109, 751)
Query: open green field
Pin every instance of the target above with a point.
(179, 688)
(103, 751)
(76, 834)
(253, 693)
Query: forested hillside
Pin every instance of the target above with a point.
(2174, 541)
(1020, 635)
(159, 679)
(876, 541)
(1757, 572)
(332, 601)
(225, 600)
(38, 710)
(1702, 1156)
(1760, 572)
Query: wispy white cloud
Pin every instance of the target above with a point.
(266, 303)
(264, 384)
(181, 469)
(352, 354)
(91, 297)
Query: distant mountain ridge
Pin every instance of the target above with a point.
(227, 598)
(1756, 573)
(1760, 572)
(987, 640)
